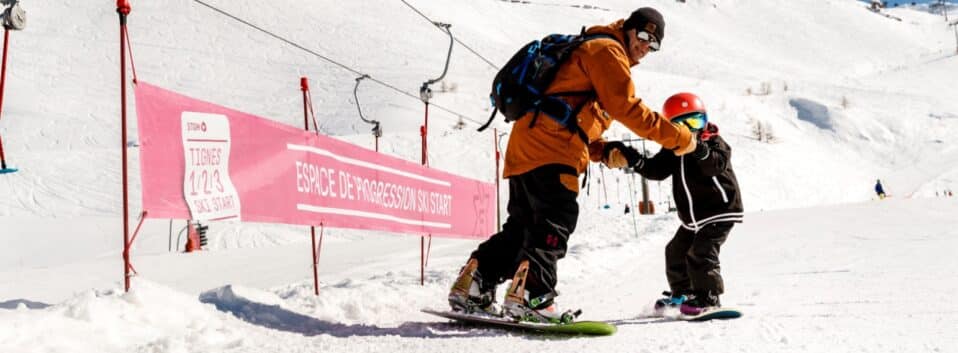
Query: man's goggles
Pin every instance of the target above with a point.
(695, 121)
(648, 37)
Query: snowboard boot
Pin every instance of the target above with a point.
(700, 302)
(470, 295)
(542, 309)
(670, 301)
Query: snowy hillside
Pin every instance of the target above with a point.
(845, 109)
(819, 265)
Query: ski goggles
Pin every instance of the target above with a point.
(695, 121)
(650, 38)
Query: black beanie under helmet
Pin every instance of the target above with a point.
(647, 19)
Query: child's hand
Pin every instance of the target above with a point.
(709, 131)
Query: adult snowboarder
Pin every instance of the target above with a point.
(543, 161)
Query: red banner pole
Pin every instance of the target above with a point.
(318, 253)
(425, 160)
(423, 132)
(3, 80)
(312, 232)
(304, 86)
(123, 9)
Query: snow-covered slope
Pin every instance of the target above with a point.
(844, 278)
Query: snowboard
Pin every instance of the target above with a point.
(592, 328)
(673, 314)
(714, 314)
(7, 170)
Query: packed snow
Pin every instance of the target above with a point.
(845, 96)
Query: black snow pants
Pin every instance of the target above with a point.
(542, 214)
(692, 259)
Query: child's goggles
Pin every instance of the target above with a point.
(695, 121)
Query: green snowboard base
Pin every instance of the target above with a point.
(593, 328)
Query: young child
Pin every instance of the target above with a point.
(708, 202)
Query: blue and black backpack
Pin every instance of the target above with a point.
(520, 85)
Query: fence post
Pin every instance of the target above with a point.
(16, 20)
(123, 9)
(304, 86)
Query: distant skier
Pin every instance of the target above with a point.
(627, 209)
(879, 190)
(708, 202)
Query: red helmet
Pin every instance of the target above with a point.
(681, 104)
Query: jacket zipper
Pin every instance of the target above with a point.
(688, 194)
(721, 189)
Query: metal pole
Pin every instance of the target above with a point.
(496, 138)
(123, 9)
(944, 8)
(646, 203)
(635, 226)
(955, 27)
(425, 93)
(646, 207)
(425, 159)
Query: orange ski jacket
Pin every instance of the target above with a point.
(601, 65)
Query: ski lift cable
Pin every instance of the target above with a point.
(473, 51)
(334, 62)
(575, 6)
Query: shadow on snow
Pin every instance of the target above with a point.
(278, 318)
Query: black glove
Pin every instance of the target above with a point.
(616, 154)
(701, 151)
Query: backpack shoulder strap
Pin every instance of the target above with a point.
(491, 117)
(584, 38)
(574, 125)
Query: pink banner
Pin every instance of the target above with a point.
(202, 161)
